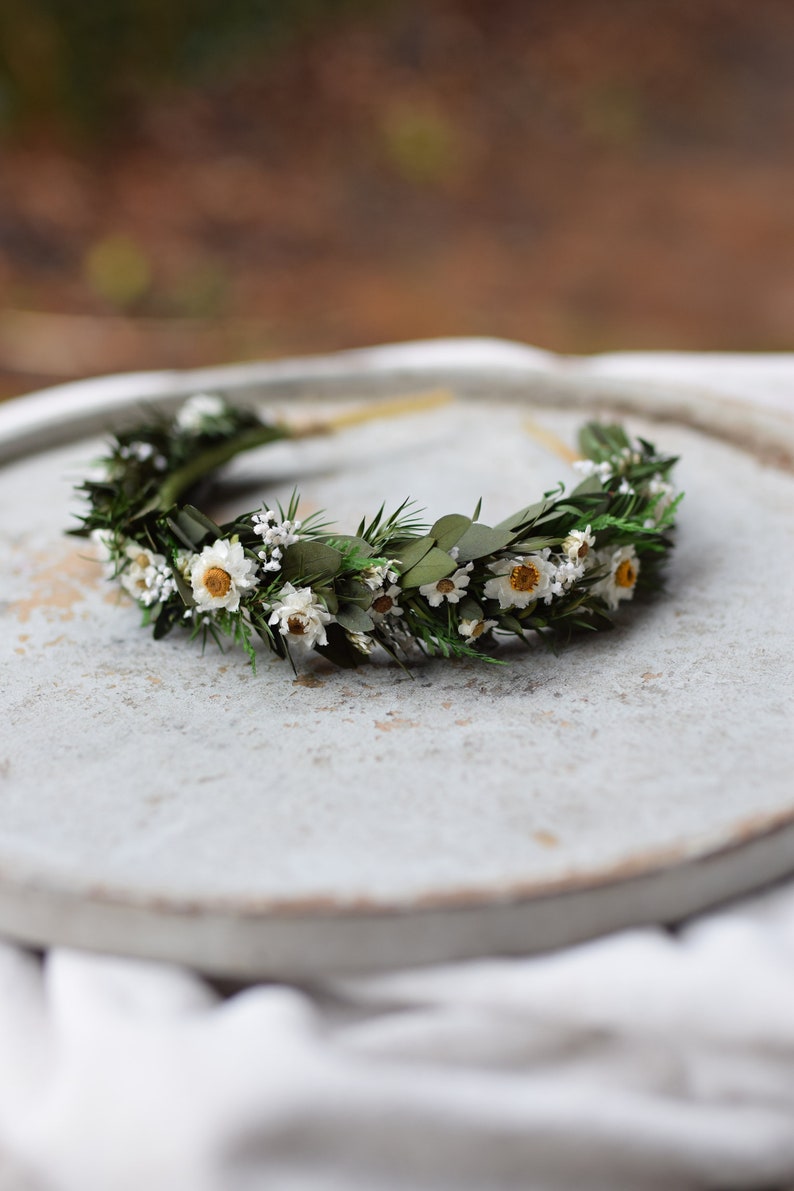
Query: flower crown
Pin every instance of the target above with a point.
(555, 567)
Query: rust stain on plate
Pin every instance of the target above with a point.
(59, 585)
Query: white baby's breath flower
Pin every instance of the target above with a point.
(276, 537)
(220, 574)
(299, 617)
(474, 628)
(664, 494)
(625, 488)
(106, 550)
(621, 577)
(578, 544)
(520, 581)
(198, 411)
(567, 574)
(147, 577)
(385, 602)
(451, 588)
(589, 467)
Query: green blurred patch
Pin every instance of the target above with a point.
(420, 143)
(118, 270)
(201, 292)
(614, 114)
(77, 63)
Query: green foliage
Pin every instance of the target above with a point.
(384, 584)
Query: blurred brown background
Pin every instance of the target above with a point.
(185, 182)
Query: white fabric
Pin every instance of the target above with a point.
(647, 1060)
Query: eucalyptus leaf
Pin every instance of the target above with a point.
(481, 540)
(414, 552)
(354, 619)
(200, 518)
(189, 540)
(531, 545)
(525, 517)
(435, 565)
(306, 559)
(449, 530)
(590, 486)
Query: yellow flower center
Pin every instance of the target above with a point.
(525, 577)
(296, 626)
(583, 550)
(445, 586)
(626, 574)
(478, 629)
(383, 604)
(143, 561)
(217, 582)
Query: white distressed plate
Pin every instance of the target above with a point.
(156, 802)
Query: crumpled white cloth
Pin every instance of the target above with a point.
(643, 1060)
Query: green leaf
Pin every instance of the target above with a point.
(480, 540)
(200, 518)
(590, 486)
(531, 545)
(435, 565)
(525, 517)
(469, 609)
(354, 619)
(449, 530)
(339, 650)
(311, 560)
(414, 552)
(184, 588)
(511, 624)
(348, 543)
(190, 541)
(355, 591)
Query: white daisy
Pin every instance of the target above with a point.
(472, 629)
(519, 581)
(220, 574)
(379, 576)
(300, 617)
(578, 544)
(198, 411)
(148, 577)
(361, 641)
(385, 602)
(451, 588)
(621, 578)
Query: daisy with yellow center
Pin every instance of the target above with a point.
(518, 582)
(472, 629)
(621, 578)
(220, 575)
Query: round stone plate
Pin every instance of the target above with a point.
(157, 802)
